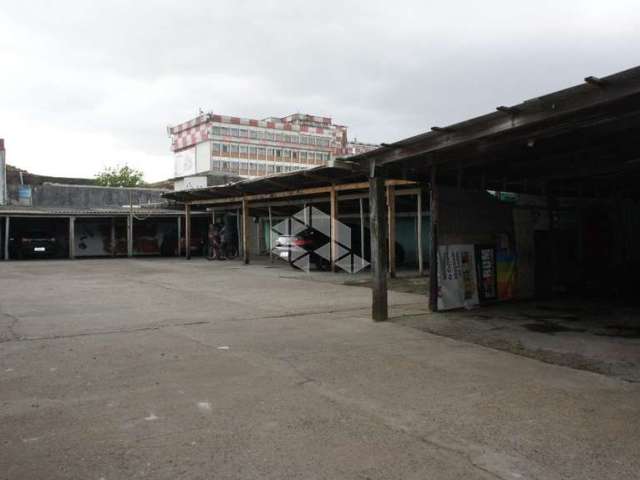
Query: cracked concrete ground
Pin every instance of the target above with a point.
(167, 369)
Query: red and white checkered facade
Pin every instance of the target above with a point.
(197, 130)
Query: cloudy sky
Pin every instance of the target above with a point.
(88, 84)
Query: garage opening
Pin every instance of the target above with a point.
(38, 238)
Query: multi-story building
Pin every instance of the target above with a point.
(220, 145)
(356, 148)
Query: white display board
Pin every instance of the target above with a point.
(457, 284)
(185, 162)
(194, 182)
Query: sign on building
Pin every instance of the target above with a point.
(185, 162)
(457, 283)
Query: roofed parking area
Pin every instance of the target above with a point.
(569, 160)
(161, 368)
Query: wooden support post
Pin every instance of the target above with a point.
(239, 232)
(72, 237)
(270, 235)
(362, 259)
(179, 247)
(7, 226)
(433, 254)
(112, 236)
(130, 236)
(551, 208)
(187, 231)
(391, 215)
(245, 231)
(379, 307)
(419, 232)
(333, 197)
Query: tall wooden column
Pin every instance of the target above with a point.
(419, 231)
(130, 236)
(7, 226)
(378, 226)
(362, 250)
(333, 197)
(187, 231)
(72, 237)
(179, 247)
(246, 242)
(391, 215)
(112, 237)
(433, 253)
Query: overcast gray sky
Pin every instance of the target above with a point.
(87, 84)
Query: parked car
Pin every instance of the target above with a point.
(35, 244)
(292, 247)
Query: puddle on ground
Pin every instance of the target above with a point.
(551, 328)
(544, 318)
(621, 331)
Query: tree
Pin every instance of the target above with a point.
(120, 177)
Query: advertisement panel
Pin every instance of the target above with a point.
(185, 162)
(457, 284)
(487, 275)
(194, 182)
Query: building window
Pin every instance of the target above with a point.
(252, 152)
(253, 134)
(243, 133)
(233, 132)
(262, 153)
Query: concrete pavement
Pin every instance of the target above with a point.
(120, 369)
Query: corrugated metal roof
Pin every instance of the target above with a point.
(337, 172)
(97, 212)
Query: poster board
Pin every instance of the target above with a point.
(457, 280)
(487, 274)
(185, 162)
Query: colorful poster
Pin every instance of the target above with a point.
(506, 266)
(457, 285)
